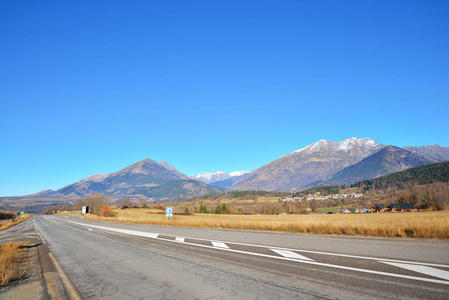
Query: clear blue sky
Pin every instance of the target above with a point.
(90, 87)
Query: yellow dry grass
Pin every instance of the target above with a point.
(10, 255)
(5, 224)
(432, 225)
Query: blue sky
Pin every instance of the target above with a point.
(90, 88)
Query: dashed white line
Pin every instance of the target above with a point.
(180, 239)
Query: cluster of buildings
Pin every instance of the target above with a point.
(395, 207)
(352, 195)
(376, 208)
(318, 196)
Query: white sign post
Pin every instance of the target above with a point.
(169, 212)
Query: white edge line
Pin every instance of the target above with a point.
(154, 236)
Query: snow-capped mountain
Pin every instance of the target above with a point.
(316, 162)
(351, 146)
(216, 176)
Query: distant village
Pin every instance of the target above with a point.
(318, 196)
(376, 208)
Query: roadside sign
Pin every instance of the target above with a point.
(169, 212)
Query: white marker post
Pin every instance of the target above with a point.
(169, 212)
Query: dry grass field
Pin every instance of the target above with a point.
(10, 255)
(432, 225)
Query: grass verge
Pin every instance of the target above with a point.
(10, 256)
(5, 224)
(430, 225)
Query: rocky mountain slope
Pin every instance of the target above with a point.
(316, 162)
(389, 159)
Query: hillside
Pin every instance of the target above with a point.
(438, 172)
(389, 159)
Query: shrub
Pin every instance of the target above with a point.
(106, 211)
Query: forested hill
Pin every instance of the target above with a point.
(426, 174)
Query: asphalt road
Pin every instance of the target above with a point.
(127, 261)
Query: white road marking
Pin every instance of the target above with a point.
(422, 269)
(125, 231)
(220, 245)
(155, 235)
(290, 254)
(89, 229)
(180, 239)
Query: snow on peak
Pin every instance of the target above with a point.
(216, 176)
(238, 173)
(345, 146)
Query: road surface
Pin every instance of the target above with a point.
(106, 260)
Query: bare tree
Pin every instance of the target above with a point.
(126, 203)
(95, 202)
(441, 199)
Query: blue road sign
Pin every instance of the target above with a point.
(169, 211)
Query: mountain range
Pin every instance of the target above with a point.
(219, 176)
(323, 162)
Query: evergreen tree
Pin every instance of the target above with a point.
(218, 210)
(224, 209)
(203, 209)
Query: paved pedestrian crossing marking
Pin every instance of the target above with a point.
(290, 254)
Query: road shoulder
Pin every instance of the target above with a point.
(39, 278)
